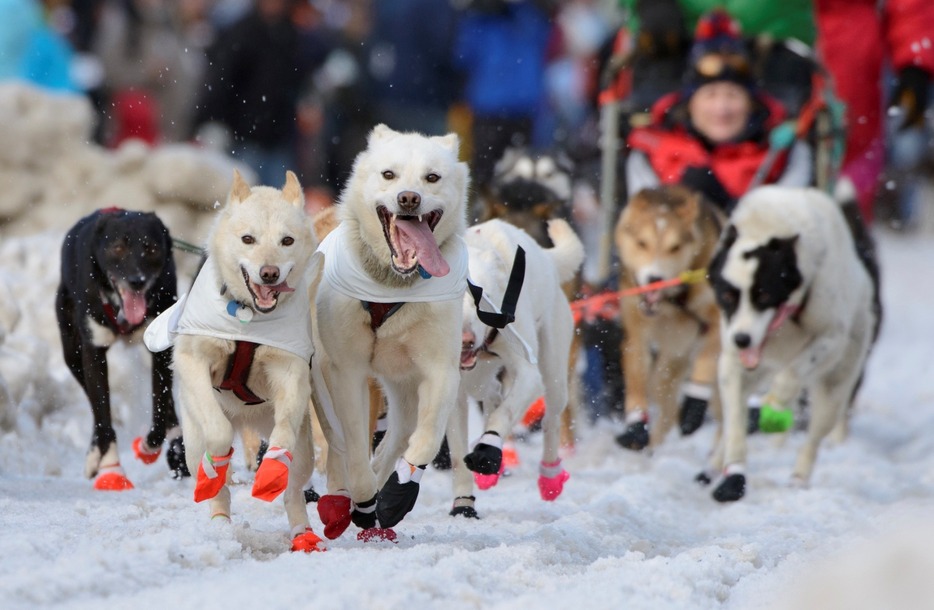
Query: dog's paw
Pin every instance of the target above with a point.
(703, 478)
(442, 461)
(775, 419)
(175, 456)
(377, 534)
(112, 479)
(464, 507)
(399, 493)
(307, 542)
(551, 480)
(635, 438)
(145, 453)
(487, 455)
(731, 489)
(363, 515)
(334, 512)
(272, 477)
(692, 413)
(311, 495)
(212, 475)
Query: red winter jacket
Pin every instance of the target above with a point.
(671, 147)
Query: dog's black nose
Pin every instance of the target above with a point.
(742, 340)
(654, 278)
(136, 282)
(408, 200)
(269, 274)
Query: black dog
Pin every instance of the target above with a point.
(118, 274)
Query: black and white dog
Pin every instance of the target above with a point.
(117, 274)
(797, 284)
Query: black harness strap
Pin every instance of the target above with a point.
(513, 289)
(238, 371)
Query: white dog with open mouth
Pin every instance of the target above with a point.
(389, 307)
(507, 370)
(243, 344)
(799, 309)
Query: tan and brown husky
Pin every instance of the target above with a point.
(672, 333)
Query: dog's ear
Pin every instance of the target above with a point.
(239, 190)
(379, 132)
(450, 141)
(292, 191)
(690, 208)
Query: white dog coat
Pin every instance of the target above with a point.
(205, 311)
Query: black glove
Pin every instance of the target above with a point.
(703, 180)
(911, 95)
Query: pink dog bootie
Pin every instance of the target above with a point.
(551, 479)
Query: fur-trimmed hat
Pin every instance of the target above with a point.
(718, 54)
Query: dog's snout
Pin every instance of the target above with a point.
(136, 282)
(269, 274)
(408, 200)
(468, 338)
(742, 340)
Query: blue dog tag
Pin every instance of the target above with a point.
(425, 275)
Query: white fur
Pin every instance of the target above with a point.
(825, 349)
(415, 353)
(210, 417)
(506, 380)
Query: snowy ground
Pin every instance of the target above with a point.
(629, 531)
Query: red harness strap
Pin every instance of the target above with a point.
(380, 312)
(238, 370)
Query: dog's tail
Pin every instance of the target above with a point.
(568, 251)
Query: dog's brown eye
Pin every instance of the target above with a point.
(389, 174)
(432, 178)
(674, 249)
(248, 239)
(288, 241)
(641, 244)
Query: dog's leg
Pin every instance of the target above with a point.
(303, 464)
(291, 387)
(97, 387)
(636, 370)
(457, 442)
(554, 353)
(670, 371)
(698, 393)
(204, 419)
(735, 416)
(827, 404)
(164, 420)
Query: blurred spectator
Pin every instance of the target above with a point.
(412, 81)
(500, 48)
(30, 50)
(856, 37)
(251, 88)
(151, 69)
(712, 135)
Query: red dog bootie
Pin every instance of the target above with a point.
(144, 452)
(377, 534)
(272, 477)
(551, 479)
(334, 512)
(212, 475)
(112, 478)
(307, 541)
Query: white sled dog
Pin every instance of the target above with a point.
(799, 310)
(243, 342)
(389, 307)
(507, 370)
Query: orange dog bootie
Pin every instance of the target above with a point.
(272, 477)
(307, 541)
(144, 452)
(212, 475)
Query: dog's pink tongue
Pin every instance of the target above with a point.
(750, 357)
(417, 235)
(134, 305)
(266, 293)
